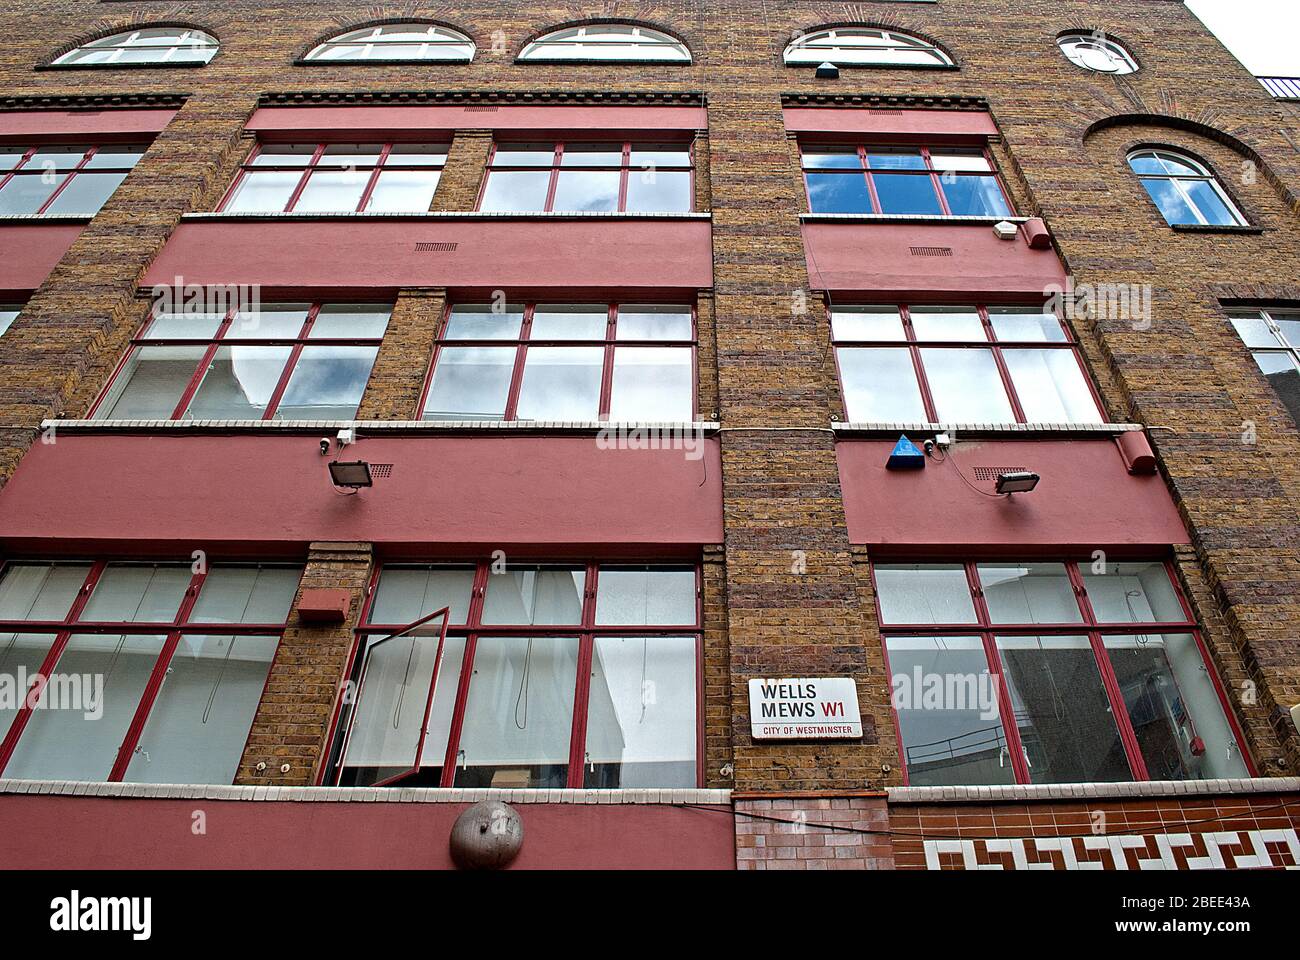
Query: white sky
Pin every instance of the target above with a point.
(1263, 34)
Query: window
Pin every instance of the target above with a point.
(549, 676)
(1050, 673)
(396, 42)
(576, 177)
(1273, 337)
(944, 181)
(62, 179)
(609, 43)
(8, 314)
(154, 672)
(288, 361)
(160, 45)
(338, 178)
(1186, 192)
(1096, 52)
(623, 362)
(959, 364)
(864, 47)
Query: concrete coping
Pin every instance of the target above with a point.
(458, 215)
(376, 426)
(1175, 789)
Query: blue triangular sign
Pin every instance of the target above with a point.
(906, 456)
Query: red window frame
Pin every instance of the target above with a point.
(71, 173)
(314, 164)
(988, 631)
(991, 343)
(557, 165)
(180, 625)
(473, 628)
(936, 176)
(524, 341)
(219, 339)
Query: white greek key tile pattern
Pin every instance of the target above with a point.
(1223, 850)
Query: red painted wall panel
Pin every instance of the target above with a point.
(19, 124)
(1086, 500)
(77, 833)
(464, 495)
(878, 258)
(945, 125)
(29, 251)
(276, 122)
(491, 253)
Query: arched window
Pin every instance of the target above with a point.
(610, 42)
(1184, 189)
(864, 46)
(170, 45)
(1096, 52)
(396, 41)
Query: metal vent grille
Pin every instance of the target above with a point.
(992, 473)
(428, 247)
(481, 108)
(381, 471)
(931, 251)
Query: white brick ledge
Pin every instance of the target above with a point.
(175, 791)
(373, 426)
(959, 428)
(1093, 791)
(464, 215)
(938, 218)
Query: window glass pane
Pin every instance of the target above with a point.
(965, 160)
(1062, 712)
(883, 158)
(1208, 201)
(151, 383)
(484, 322)
(645, 597)
(641, 713)
(592, 155)
(404, 191)
(1170, 201)
(561, 383)
(1029, 593)
(570, 322)
(1146, 163)
(470, 383)
(519, 714)
(8, 314)
(114, 157)
(407, 594)
(351, 155)
(516, 190)
(1051, 386)
(587, 190)
(652, 384)
(263, 191)
(838, 193)
(55, 158)
(906, 193)
(947, 323)
(138, 593)
(867, 323)
(21, 654)
(1023, 323)
(524, 155)
(644, 156)
(924, 593)
(327, 383)
(27, 194)
(332, 191)
(1133, 593)
(841, 158)
(1175, 710)
(86, 193)
(246, 595)
(659, 191)
(654, 322)
(350, 321)
(416, 154)
(1289, 324)
(198, 724)
(239, 383)
(40, 591)
(966, 386)
(535, 596)
(183, 326)
(10, 157)
(974, 196)
(880, 385)
(82, 744)
(282, 321)
(1254, 332)
(947, 708)
(284, 154)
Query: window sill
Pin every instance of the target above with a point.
(391, 61)
(575, 427)
(122, 66)
(878, 66)
(17, 218)
(1216, 228)
(907, 218)
(445, 215)
(1075, 791)
(891, 429)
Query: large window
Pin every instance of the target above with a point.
(54, 179)
(1184, 189)
(548, 676)
(608, 43)
(170, 46)
(577, 177)
(951, 364)
(864, 47)
(1273, 337)
(395, 42)
(338, 178)
(1050, 673)
(152, 672)
(943, 181)
(541, 361)
(289, 361)
(1097, 52)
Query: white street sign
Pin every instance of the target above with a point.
(804, 708)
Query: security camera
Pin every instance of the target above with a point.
(324, 446)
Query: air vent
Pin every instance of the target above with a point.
(381, 471)
(436, 247)
(931, 251)
(482, 108)
(992, 473)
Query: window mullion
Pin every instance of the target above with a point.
(458, 712)
(302, 181)
(1008, 385)
(80, 165)
(373, 180)
(187, 395)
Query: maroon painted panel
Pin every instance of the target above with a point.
(78, 833)
(967, 260)
(29, 251)
(277, 121)
(946, 125)
(451, 495)
(489, 253)
(1086, 499)
(17, 124)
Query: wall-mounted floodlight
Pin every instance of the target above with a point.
(1020, 481)
(351, 474)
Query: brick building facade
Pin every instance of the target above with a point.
(770, 204)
